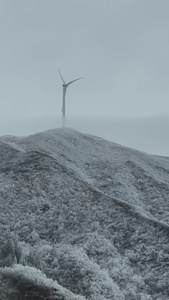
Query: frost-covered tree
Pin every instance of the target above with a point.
(10, 252)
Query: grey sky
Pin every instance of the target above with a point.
(120, 47)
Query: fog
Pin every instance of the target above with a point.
(148, 134)
(119, 47)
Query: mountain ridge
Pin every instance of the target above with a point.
(146, 133)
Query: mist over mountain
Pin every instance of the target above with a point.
(149, 134)
(82, 218)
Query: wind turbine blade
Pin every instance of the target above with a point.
(61, 77)
(73, 81)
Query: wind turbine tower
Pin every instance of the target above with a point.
(65, 85)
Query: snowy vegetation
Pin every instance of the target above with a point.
(82, 216)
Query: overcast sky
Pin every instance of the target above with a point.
(119, 47)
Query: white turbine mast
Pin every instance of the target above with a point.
(65, 85)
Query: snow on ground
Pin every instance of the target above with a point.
(35, 276)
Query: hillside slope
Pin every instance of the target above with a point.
(89, 213)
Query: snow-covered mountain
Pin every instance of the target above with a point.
(148, 134)
(92, 215)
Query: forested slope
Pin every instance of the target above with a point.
(92, 215)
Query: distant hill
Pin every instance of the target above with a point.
(92, 215)
(149, 134)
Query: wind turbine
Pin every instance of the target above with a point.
(65, 85)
